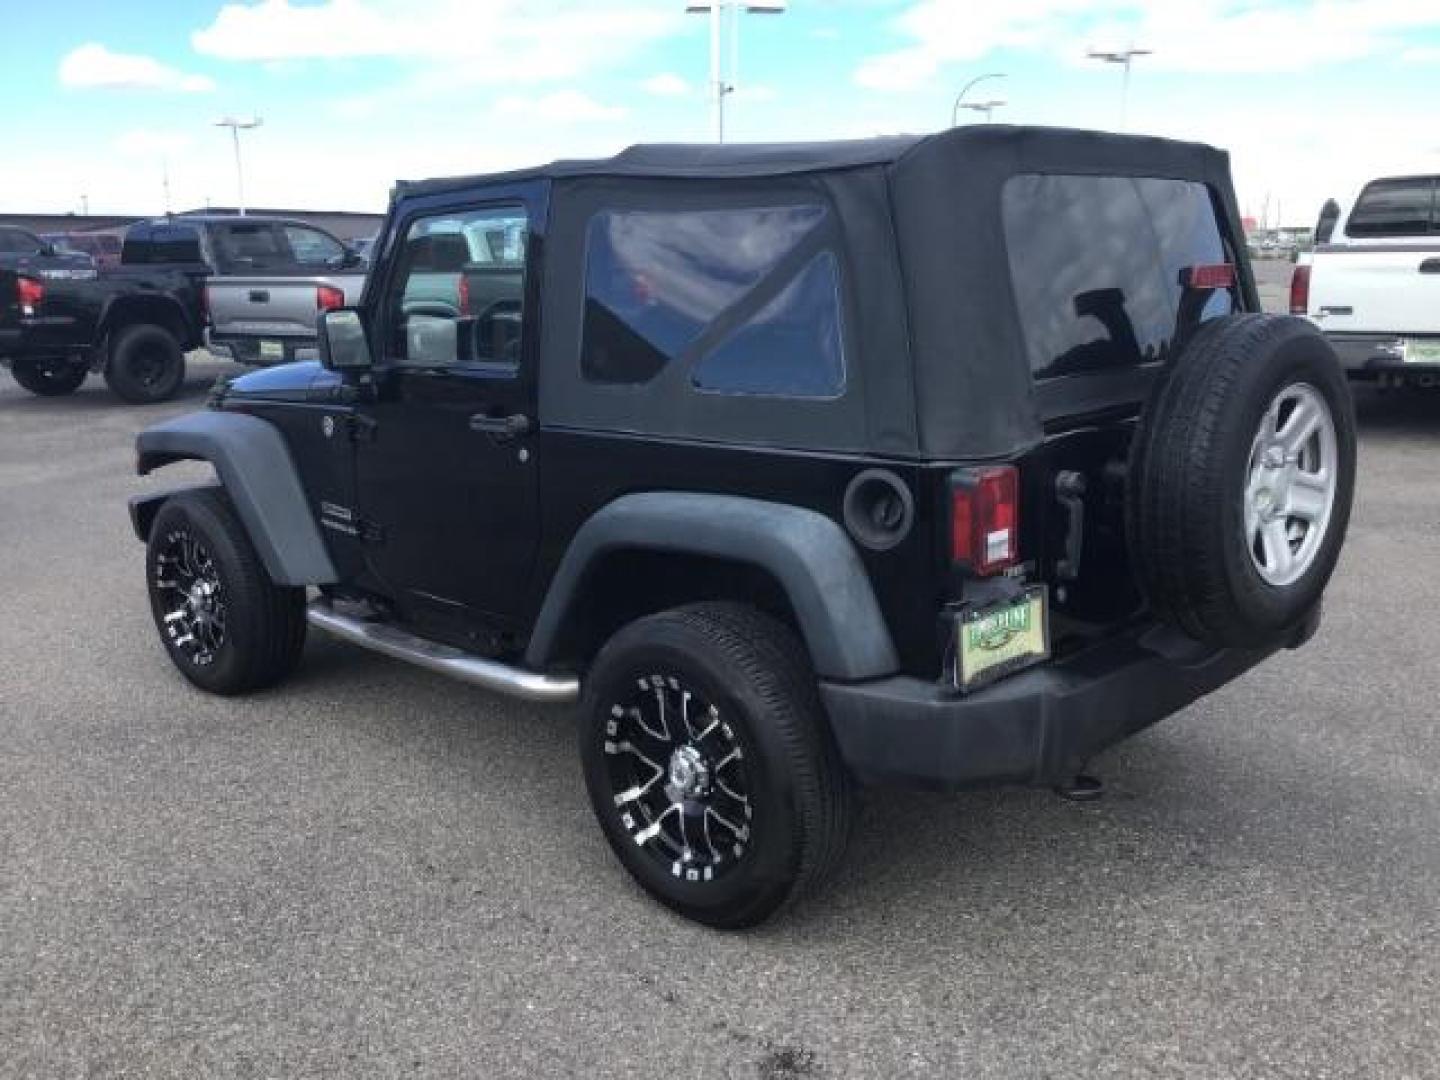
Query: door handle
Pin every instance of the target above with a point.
(259, 296)
(502, 427)
(1430, 266)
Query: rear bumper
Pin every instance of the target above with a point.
(1368, 356)
(1037, 727)
(244, 349)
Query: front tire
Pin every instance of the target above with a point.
(48, 378)
(226, 625)
(146, 365)
(709, 763)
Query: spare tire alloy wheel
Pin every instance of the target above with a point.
(678, 778)
(192, 595)
(1290, 492)
(1240, 481)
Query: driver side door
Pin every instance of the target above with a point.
(445, 477)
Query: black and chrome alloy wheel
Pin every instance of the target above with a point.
(709, 764)
(678, 777)
(189, 590)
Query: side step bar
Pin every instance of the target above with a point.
(492, 675)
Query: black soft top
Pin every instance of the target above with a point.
(920, 222)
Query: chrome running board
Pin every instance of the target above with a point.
(392, 641)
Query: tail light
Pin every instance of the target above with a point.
(29, 293)
(328, 297)
(985, 518)
(1213, 276)
(462, 294)
(1300, 290)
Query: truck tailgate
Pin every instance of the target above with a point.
(272, 306)
(1380, 289)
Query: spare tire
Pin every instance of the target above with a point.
(1240, 480)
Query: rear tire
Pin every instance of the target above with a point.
(48, 378)
(146, 364)
(1235, 521)
(751, 806)
(226, 625)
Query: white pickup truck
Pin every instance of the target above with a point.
(1373, 283)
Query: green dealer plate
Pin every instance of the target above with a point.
(1001, 638)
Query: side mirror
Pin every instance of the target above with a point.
(343, 345)
(351, 259)
(48, 250)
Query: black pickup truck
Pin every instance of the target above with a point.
(247, 287)
(132, 324)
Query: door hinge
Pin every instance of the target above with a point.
(362, 428)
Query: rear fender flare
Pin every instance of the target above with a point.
(806, 552)
(255, 469)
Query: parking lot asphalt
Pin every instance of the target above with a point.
(372, 871)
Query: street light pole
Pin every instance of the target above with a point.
(719, 84)
(1122, 57)
(960, 97)
(236, 126)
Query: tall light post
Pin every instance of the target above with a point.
(960, 97)
(986, 107)
(236, 126)
(719, 84)
(1122, 57)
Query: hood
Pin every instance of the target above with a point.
(302, 381)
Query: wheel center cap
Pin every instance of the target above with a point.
(689, 774)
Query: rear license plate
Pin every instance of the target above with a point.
(998, 639)
(272, 350)
(1422, 350)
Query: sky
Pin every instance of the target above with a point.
(106, 99)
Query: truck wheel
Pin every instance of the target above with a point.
(48, 378)
(225, 624)
(709, 763)
(1241, 478)
(146, 364)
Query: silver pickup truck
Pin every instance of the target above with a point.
(265, 278)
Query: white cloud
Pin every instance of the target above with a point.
(499, 41)
(1426, 55)
(93, 66)
(561, 107)
(1223, 36)
(666, 84)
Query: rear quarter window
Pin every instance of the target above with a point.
(1404, 206)
(1096, 262)
(662, 284)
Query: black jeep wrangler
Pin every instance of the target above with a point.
(943, 461)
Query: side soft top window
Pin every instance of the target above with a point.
(735, 293)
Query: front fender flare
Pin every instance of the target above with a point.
(255, 468)
(807, 553)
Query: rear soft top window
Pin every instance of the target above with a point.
(1096, 265)
(1404, 206)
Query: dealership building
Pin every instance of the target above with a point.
(348, 225)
